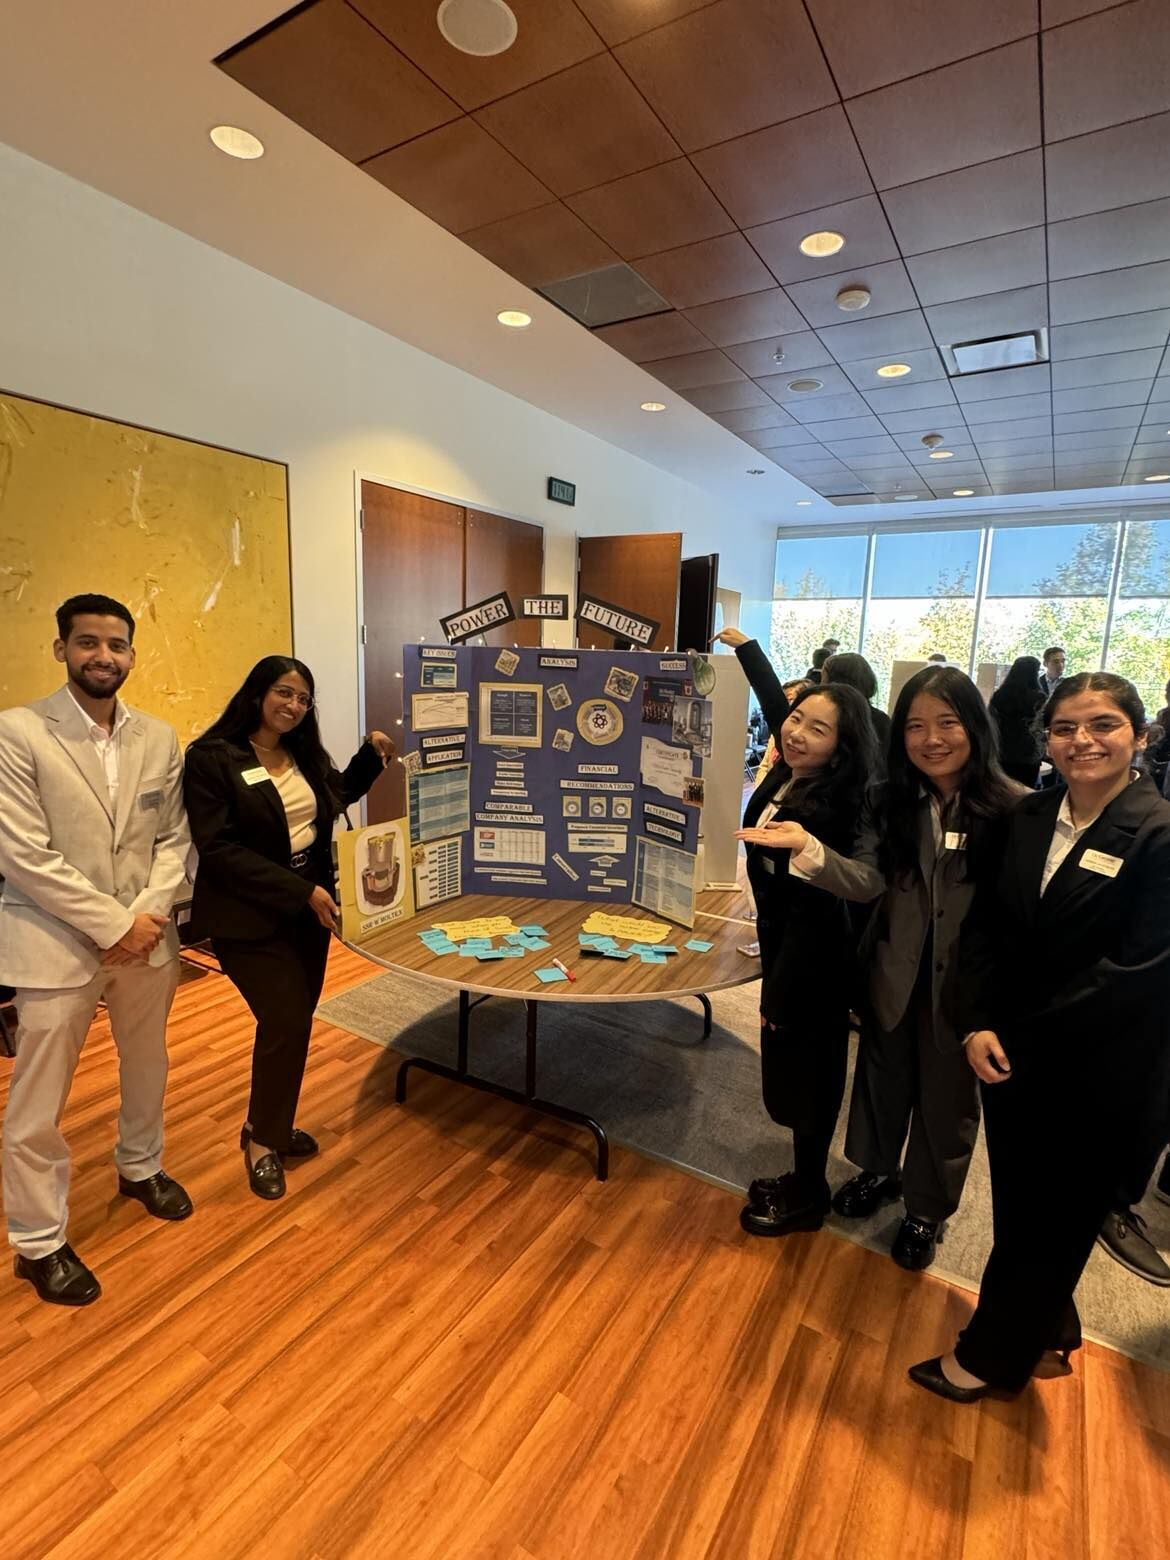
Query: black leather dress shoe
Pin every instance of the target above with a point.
(929, 1374)
(865, 1193)
(784, 1211)
(766, 1186)
(159, 1195)
(266, 1176)
(301, 1146)
(61, 1278)
(914, 1245)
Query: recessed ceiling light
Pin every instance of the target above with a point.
(803, 503)
(514, 319)
(820, 245)
(850, 299)
(901, 497)
(479, 27)
(236, 142)
(942, 454)
(893, 370)
(653, 406)
(805, 386)
(1163, 476)
(963, 493)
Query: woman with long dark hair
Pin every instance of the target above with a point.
(262, 795)
(1016, 705)
(939, 828)
(1066, 996)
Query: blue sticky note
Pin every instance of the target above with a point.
(468, 953)
(697, 945)
(642, 948)
(476, 942)
(508, 953)
(534, 931)
(548, 976)
(652, 958)
(516, 938)
(664, 948)
(536, 944)
(440, 948)
(488, 953)
(617, 953)
(433, 937)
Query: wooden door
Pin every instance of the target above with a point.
(504, 554)
(639, 573)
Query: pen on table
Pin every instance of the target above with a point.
(564, 969)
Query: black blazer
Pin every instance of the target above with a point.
(245, 886)
(1082, 974)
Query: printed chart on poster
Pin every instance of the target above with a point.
(556, 773)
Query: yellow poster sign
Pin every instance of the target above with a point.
(374, 878)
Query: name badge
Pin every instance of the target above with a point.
(254, 776)
(1097, 861)
(150, 801)
(953, 841)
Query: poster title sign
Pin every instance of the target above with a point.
(616, 620)
(556, 607)
(488, 613)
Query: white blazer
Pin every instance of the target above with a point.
(76, 871)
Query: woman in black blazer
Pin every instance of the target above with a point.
(1065, 969)
(262, 796)
(1016, 705)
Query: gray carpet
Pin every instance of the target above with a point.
(644, 1072)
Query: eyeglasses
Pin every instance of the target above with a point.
(1066, 730)
(291, 696)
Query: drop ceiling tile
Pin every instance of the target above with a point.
(1041, 484)
(756, 317)
(541, 246)
(861, 223)
(1096, 398)
(866, 337)
(1021, 466)
(1087, 454)
(1154, 431)
(333, 74)
(758, 358)
(1131, 291)
(1002, 381)
(583, 127)
(1148, 466)
(709, 272)
(876, 444)
(995, 314)
(1122, 333)
(1107, 69)
(969, 204)
(921, 419)
(660, 208)
(988, 265)
(874, 44)
(459, 177)
(1002, 449)
(912, 442)
(847, 428)
(798, 166)
(814, 471)
(1158, 409)
(754, 419)
(908, 398)
(924, 366)
(724, 398)
(1110, 239)
(822, 408)
(552, 35)
(1054, 13)
(981, 108)
(656, 336)
(889, 285)
(1112, 368)
(1118, 417)
(832, 378)
(795, 438)
(1148, 450)
(1008, 407)
(618, 20)
(1122, 166)
(1017, 428)
(730, 68)
(697, 368)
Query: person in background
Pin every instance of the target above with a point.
(856, 671)
(1065, 970)
(1158, 747)
(831, 645)
(1053, 672)
(93, 848)
(1016, 705)
(262, 796)
(937, 658)
(816, 672)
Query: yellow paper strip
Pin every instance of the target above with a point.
(484, 926)
(627, 926)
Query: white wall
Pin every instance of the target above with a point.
(109, 311)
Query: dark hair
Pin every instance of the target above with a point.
(97, 606)
(855, 670)
(1119, 689)
(831, 643)
(1020, 692)
(799, 683)
(840, 787)
(820, 656)
(1051, 651)
(241, 718)
(985, 791)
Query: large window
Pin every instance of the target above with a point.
(1139, 636)
(1048, 585)
(922, 599)
(820, 582)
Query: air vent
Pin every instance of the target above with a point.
(605, 297)
(982, 357)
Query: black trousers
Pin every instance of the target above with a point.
(802, 1071)
(1048, 1120)
(280, 978)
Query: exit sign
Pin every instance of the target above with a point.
(562, 492)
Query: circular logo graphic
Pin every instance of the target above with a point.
(599, 721)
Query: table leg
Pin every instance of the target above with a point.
(706, 1001)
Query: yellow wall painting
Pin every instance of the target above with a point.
(193, 539)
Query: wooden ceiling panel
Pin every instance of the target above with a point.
(459, 176)
(968, 204)
(732, 67)
(619, 20)
(704, 273)
(725, 398)
(753, 318)
(789, 168)
(657, 336)
(660, 208)
(332, 73)
(551, 36)
(888, 284)
(541, 246)
(581, 128)
(802, 350)
(1107, 69)
(869, 240)
(698, 368)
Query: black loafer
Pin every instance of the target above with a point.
(914, 1245)
(159, 1195)
(266, 1176)
(765, 1187)
(301, 1146)
(785, 1211)
(929, 1374)
(61, 1278)
(865, 1193)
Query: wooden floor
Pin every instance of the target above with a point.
(449, 1340)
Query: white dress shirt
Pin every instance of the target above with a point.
(107, 743)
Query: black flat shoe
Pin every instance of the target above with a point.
(865, 1193)
(301, 1146)
(929, 1374)
(159, 1195)
(915, 1244)
(765, 1187)
(785, 1211)
(61, 1278)
(266, 1176)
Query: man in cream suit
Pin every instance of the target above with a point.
(93, 845)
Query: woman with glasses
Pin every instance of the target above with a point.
(262, 795)
(1065, 977)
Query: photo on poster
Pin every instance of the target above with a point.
(693, 791)
(438, 711)
(658, 696)
(438, 674)
(621, 807)
(562, 740)
(570, 806)
(692, 724)
(597, 807)
(559, 696)
(599, 721)
(510, 714)
(622, 684)
(507, 661)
